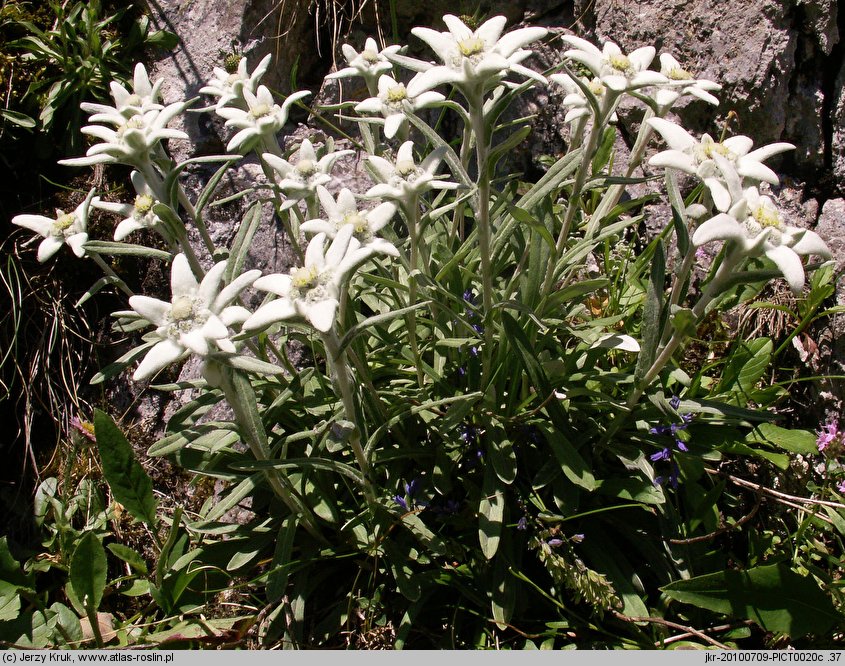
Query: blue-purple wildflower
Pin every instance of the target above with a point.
(666, 454)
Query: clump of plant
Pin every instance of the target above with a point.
(64, 54)
(492, 432)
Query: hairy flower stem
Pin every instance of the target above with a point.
(412, 215)
(614, 192)
(482, 221)
(241, 397)
(724, 273)
(118, 281)
(574, 203)
(342, 379)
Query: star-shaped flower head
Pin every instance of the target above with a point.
(756, 226)
(310, 292)
(145, 96)
(365, 223)
(394, 103)
(369, 63)
(717, 163)
(682, 83)
(262, 118)
(474, 59)
(300, 181)
(133, 140)
(617, 71)
(197, 318)
(403, 180)
(70, 228)
(137, 215)
(575, 98)
(228, 84)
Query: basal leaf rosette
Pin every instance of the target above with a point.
(196, 320)
(755, 227)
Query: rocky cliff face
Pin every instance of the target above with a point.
(781, 64)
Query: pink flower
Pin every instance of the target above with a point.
(828, 435)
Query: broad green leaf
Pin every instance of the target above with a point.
(128, 481)
(773, 596)
(88, 571)
(794, 441)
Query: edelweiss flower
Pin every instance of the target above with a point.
(311, 291)
(369, 63)
(262, 117)
(616, 70)
(228, 84)
(755, 225)
(403, 180)
(474, 58)
(301, 181)
(394, 102)
(575, 97)
(681, 78)
(145, 96)
(366, 223)
(70, 228)
(196, 319)
(717, 163)
(133, 138)
(139, 215)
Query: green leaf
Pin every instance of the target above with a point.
(794, 441)
(128, 555)
(88, 571)
(773, 596)
(126, 249)
(651, 330)
(128, 481)
(491, 512)
(277, 579)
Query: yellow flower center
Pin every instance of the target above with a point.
(679, 74)
(306, 168)
(135, 122)
(369, 56)
(231, 63)
(596, 87)
(767, 216)
(708, 149)
(396, 94)
(143, 204)
(133, 100)
(64, 222)
(358, 222)
(182, 308)
(406, 168)
(304, 278)
(619, 62)
(471, 46)
(260, 110)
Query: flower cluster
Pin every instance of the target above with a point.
(667, 453)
